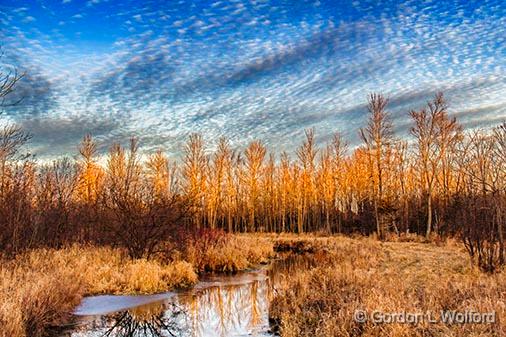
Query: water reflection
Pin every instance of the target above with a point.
(220, 305)
(148, 320)
(236, 307)
(157, 319)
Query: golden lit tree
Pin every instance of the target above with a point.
(219, 173)
(378, 137)
(435, 133)
(194, 173)
(306, 154)
(161, 176)
(90, 173)
(254, 157)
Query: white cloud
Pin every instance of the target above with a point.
(90, 3)
(28, 19)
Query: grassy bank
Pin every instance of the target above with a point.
(40, 288)
(393, 277)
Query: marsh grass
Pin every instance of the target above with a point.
(390, 277)
(40, 288)
(31, 300)
(237, 252)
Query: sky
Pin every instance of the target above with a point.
(256, 69)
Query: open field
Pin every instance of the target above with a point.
(386, 277)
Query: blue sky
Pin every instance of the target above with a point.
(245, 69)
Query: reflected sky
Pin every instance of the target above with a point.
(245, 69)
(224, 305)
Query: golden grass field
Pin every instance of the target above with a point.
(387, 277)
(40, 288)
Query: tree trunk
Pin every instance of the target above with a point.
(378, 222)
(429, 216)
(327, 219)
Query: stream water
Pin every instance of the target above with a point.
(219, 305)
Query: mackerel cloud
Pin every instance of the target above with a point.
(245, 69)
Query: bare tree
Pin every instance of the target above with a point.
(378, 137)
(216, 180)
(435, 132)
(90, 173)
(57, 184)
(123, 197)
(8, 80)
(306, 154)
(194, 174)
(254, 164)
(500, 169)
(12, 139)
(339, 149)
(161, 176)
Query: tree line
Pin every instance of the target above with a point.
(441, 181)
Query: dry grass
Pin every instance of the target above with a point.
(238, 252)
(409, 277)
(40, 288)
(33, 299)
(36, 294)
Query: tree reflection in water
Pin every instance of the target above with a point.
(219, 306)
(155, 320)
(228, 310)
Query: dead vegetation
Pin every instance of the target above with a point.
(237, 252)
(444, 182)
(39, 289)
(320, 299)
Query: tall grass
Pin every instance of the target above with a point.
(40, 288)
(31, 300)
(320, 299)
(237, 252)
